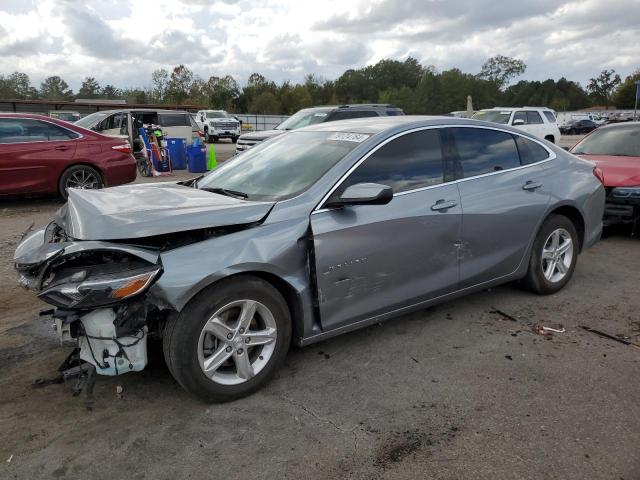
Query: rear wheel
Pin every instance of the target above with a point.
(550, 138)
(79, 176)
(229, 340)
(554, 256)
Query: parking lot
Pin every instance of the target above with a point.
(466, 389)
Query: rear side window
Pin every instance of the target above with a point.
(550, 116)
(174, 120)
(533, 118)
(394, 113)
(530, 152)
(28, 130)
(346, 115)
(411, 161)
(479, 151)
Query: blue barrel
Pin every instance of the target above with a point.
(197, 159)
(177, 153)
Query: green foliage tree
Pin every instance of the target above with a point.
(222, 92)
(55, 88)
(180, 83)
(17, 85)
(265, 103)
(501, 69)
(90, 88)
(625, 96)
(601, 87)
(160, 82)
(111, 92)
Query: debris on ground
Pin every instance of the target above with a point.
(503, 315)
(10, 458)
(620, 338)
(119, 391)
(547, 331)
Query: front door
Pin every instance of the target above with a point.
(372, 259)
(504, 193)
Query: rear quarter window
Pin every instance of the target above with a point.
(550, 117)
(530, 152)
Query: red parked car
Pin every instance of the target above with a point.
(40, 155)
(615, 149)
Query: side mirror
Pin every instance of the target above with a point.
(518, 122)
(362, 194)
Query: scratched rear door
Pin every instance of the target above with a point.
(372, 259)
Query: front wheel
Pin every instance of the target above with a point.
(234, 139)
(554, 256)
(229, 340)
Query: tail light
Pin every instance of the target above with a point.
(124, 148)
(598, 174)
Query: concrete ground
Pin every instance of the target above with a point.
(462, 390)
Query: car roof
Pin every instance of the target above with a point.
(354, 106)
(157, 110)
(609, 126)
(516, 108)
(374, 125)
(34, 116)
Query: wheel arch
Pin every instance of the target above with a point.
(82, 163)
(576, 217)
(551, 138)
(288, 292)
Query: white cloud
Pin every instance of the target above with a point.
(123, 41)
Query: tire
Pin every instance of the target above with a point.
(234, 139)
(75, 175)
(207, 137)
(215, 139)
(544, 253)
(188, 348)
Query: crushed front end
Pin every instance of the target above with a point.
(99, 294)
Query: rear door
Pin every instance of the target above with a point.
(533, 122)
(32, 154)
(503, 189)
(372, 259)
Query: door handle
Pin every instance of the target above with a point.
(443, 205)
(531, 185)
(62, 147)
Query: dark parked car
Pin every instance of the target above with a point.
(40, 155)
(615, 149)
(310, 235)
(311, 116)
(578, 127)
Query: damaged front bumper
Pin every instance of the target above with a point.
(99, 289)
(622, 205)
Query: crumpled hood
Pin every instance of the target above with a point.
(262, 135)
(618, 171)
(143, 210)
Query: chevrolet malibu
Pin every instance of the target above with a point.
(318, 232)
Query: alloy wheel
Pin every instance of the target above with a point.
(557, 255)
(83, 179)
(237, 342)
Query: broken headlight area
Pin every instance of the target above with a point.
(112, 339)
(94, 278)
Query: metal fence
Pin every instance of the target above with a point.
(261, 122)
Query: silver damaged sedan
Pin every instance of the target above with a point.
(309, 235)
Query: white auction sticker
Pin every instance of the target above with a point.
(349, 137)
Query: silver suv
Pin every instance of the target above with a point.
(310, 116)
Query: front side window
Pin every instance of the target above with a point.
(617, 141)
(411, 161)
(480, 150)
(27, 130)
(282, 167)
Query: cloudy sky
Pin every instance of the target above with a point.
(123, 41)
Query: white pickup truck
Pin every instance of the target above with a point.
(216, 124)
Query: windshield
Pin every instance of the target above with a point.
(303, 118)
(218, 114)
(494, 116)
(284, 166)
(623, 141)
(91, 120)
